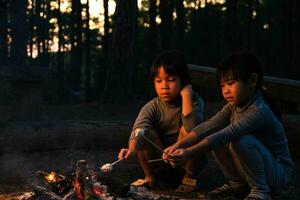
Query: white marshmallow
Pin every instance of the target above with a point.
(107, 167)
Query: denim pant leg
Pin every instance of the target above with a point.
(262, 172)
(224, 159)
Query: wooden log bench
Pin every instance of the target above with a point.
(286, 92)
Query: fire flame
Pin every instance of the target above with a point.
(52, 177)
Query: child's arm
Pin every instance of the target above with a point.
(249, 123)
(143, 121)
(187, 99)
(192, 108)
(221, 119)
(130, 152)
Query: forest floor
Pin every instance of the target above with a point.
(18, 165)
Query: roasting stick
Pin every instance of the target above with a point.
(116, 162)
(155, 160)
(140, 132)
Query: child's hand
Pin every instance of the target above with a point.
(179, 157)
(126, 154)
(186, 90)
(168, 151)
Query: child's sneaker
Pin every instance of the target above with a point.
(229, 191)
(221, 192)
(258, 196)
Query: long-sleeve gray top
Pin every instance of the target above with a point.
(166, 118)
(254, 118)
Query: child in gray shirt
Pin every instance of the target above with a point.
(246, 136)
(165, 120)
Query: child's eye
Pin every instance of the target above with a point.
(171, 79)
(157, 80)
(230, 82)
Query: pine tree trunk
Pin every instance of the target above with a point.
(166, 14)
(46, 38)
(88, 92)
(287, 37)
(76, 46)
(180, 23)
(257, 27)
(106, 28)
(61, 84)
(118, 83)
(152, 30)
(231, 27)
(297, 40)
(31, 33)
(19, 34)
(250, 24)
(4, 32)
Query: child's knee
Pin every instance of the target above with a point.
(243, 144)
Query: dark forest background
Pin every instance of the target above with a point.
(112, 65)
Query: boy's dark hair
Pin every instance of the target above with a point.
(239, 66)
(174, 63)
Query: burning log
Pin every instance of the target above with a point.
(41, 194)
(58, 183)
(84, 182)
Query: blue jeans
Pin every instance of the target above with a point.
(247, 160)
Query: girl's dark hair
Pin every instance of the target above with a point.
(239, 66)
(174, 63)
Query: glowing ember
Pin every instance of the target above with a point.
(52, 177)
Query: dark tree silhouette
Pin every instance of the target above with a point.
(166, 8)
(106, 28)
(297, 39)
(249, 24)
(287, 29)
(105, 43)
(76, 46)
(152, 29)
(119, 76)
(180, 23)
(4, 32)
(61, 83)
(231, 25)
(88, 90)
(40, 24)
(19, 34)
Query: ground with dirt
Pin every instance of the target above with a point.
(52, 145)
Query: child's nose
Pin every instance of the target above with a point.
(165, 85)
(226, 90)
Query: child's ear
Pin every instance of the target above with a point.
(253, 79)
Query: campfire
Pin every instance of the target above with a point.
(84, 183)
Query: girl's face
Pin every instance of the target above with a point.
(236, 92)
(167, 86)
